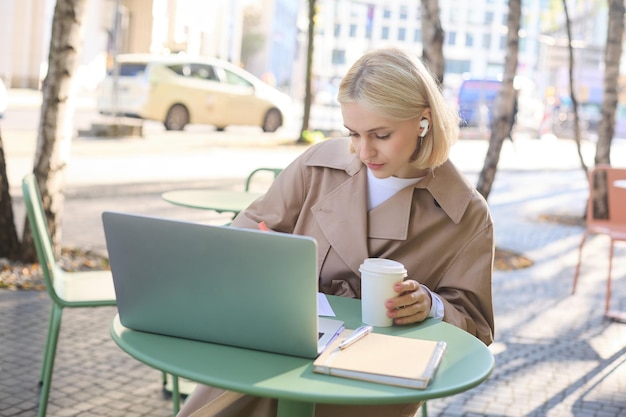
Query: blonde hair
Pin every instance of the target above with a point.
(400, 87)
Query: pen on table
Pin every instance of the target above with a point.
(356, 335)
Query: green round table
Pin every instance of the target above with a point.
(466, 363)
(219, 201)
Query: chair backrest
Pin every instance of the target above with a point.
(273, 171)
(616, 195)
(39, 229)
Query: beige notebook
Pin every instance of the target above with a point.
(391, 360)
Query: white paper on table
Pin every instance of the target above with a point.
(323, 306)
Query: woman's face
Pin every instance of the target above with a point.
(384, 145)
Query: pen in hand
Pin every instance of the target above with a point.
(356, 335)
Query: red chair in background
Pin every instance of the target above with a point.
(614, 226)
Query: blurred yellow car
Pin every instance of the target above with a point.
(179, 90)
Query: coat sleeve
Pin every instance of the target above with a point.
(281, 205)
(466, 287)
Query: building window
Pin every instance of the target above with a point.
(353, 31)
(387, 13)
(488, 18)
(455, 66)
(339, 57)
(404, 12)
(452, 38)
(337, 30)
(370, 22)
(503, 42)
(469, 40)
(402, 34)
(417, 35)
(385, 32)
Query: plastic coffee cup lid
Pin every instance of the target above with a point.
(381, 265)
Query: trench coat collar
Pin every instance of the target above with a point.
(345, 208)
(450, 190)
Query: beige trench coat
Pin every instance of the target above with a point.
(440, 229)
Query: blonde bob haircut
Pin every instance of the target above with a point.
(391, 83)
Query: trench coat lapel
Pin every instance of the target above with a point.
(342, 216)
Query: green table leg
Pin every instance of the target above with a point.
(287, 408)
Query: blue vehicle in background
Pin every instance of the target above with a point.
(476, 100)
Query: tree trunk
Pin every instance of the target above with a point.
(9, 243)
(54, 137)
(308, 96)
(606, 129)
(504, 105)
(432, 39)
(572, 89)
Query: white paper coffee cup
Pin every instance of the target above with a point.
(378, 277)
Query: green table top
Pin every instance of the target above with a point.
(216, 200)
(466, 363)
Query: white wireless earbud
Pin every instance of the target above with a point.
(424, 125)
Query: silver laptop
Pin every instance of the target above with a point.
(219, 284)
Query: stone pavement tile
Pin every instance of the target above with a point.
(92, 376)
(556, 355)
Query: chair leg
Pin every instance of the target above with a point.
(607, 302)
(424, 410)
(580, 256)
(46, 352)
(49, 355)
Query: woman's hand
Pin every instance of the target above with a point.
(412, 304)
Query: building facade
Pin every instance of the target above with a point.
(113, 27)
(474, 45)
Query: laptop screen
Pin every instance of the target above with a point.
(219, 284)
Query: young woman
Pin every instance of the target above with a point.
(388, 191)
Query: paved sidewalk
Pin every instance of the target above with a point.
(555, 353)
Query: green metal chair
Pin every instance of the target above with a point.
(274, 171)
(254, 173)
(66, 289)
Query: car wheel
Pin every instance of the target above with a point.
(273, 120)
(177, 117)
